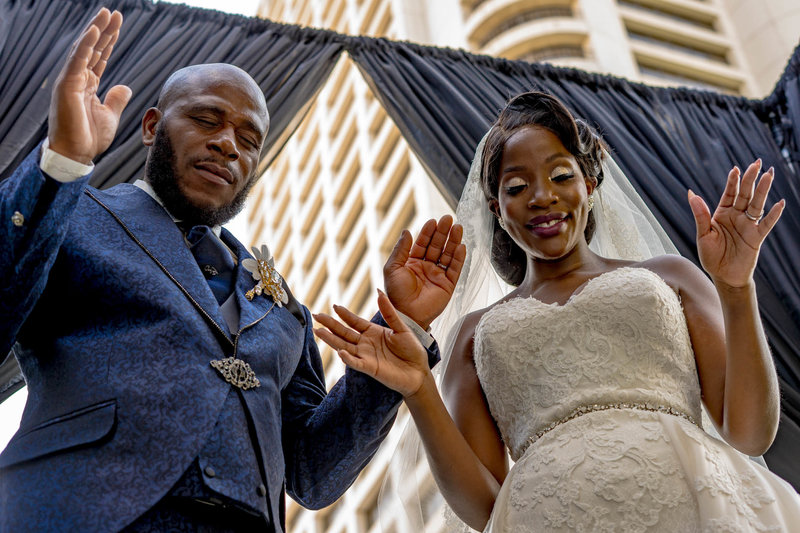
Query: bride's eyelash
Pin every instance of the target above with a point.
(563, 177)
(516, 189)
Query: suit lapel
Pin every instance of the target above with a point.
(151, 227)
(250, 311)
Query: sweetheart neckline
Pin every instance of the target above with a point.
(581, 289)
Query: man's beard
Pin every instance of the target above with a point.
(160, 173)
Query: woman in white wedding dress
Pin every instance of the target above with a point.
(592, 372)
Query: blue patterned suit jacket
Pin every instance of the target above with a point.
(115, 327)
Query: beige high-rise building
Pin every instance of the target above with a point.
(333, 203)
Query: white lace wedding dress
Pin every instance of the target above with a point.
(598, 401)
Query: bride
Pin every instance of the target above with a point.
(593, 371)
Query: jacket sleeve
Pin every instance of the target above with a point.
(34, 214)
(328, 439)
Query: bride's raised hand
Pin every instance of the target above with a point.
(728, 242)
(394, 357)
(420, 275)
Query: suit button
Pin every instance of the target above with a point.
(261, 490)
(17, 219)
(209, 471)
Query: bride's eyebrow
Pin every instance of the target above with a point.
(548, 159)
(557, 155)
(515, 168)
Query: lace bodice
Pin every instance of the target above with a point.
(622, 338)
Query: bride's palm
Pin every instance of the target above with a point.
(421, 277)
(728, 242)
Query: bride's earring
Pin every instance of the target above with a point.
(590, 202)
(502, 223)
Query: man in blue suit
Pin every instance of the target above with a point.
(173, 381)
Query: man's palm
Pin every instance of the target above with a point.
(80, 125)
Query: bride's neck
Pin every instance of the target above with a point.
(578, 260)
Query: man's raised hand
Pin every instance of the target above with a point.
(82, 127)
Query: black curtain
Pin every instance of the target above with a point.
(289, 63)
(783, 113)
(666, 140)
(784, 107)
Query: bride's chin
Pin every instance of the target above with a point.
(549, 253)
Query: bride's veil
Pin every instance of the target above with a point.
(625, 229)
(479, 285)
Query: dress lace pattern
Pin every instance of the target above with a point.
(622, 339)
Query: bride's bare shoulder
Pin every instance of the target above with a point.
(676, 270)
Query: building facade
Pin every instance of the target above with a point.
(334, 202)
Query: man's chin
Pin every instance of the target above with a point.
(193, 205)
(210, 214)
(207, 215)
(199, 209)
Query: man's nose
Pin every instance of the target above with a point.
(224, 142)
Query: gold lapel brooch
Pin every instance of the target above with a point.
(268, 281)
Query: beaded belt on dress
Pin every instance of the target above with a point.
(585, 409)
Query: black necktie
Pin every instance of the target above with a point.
(214, 259)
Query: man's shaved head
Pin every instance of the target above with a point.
(188, 79)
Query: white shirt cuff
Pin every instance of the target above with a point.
(425, 338)
(61, 168)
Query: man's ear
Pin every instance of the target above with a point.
(149, 125)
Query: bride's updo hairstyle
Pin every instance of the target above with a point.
(543, 111)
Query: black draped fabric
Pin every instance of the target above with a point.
(289, 63)
(783, 106)
(666, 140)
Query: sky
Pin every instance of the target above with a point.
(11, 409)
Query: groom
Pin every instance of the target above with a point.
(173, 381)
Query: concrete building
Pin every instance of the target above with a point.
(766, 33)
(333, 203)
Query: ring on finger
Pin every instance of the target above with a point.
(754, 218)
(440, 265)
